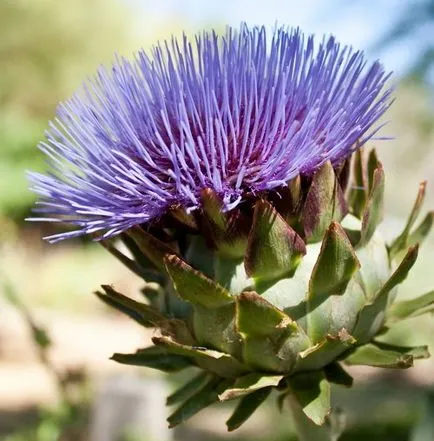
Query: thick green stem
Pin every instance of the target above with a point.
(306, 429)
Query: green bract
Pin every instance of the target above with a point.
(276, 293)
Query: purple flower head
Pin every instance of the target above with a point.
(239, 113)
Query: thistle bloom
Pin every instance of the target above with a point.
(282, 275)
(239, 114)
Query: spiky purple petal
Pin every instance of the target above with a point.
(238, 113)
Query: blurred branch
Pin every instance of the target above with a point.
(39, 335)
(66, 421)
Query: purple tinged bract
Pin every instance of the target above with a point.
(239, 113)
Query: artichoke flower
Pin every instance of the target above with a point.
(232, 171)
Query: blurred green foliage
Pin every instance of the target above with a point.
(64, 423)
(47, 47)
(67, 420)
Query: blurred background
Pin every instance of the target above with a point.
(65, 387)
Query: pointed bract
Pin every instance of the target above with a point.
(312, 391)
(193, 286)
(274, 248)
(401, 273)
(336, 264)
(287, 200)
(386, 356)
(373, 212)
(373, 313)
(271, 340)
(227, 232)
(125, 260)
(220, 363)
(156, 358)
(258, 318)
(151, 247)
(250, 383)
(325, 351)
(360, 186)
(203, 398)
(141, 313)
(421, 231)
(336, 374)
(247, 407)
(412, 308)
(212, 205)
(188, 389)
(401, 242)
(372, 165)
(343, 173)
(186, 219)
(325, 203)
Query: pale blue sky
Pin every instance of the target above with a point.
(355, 22)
